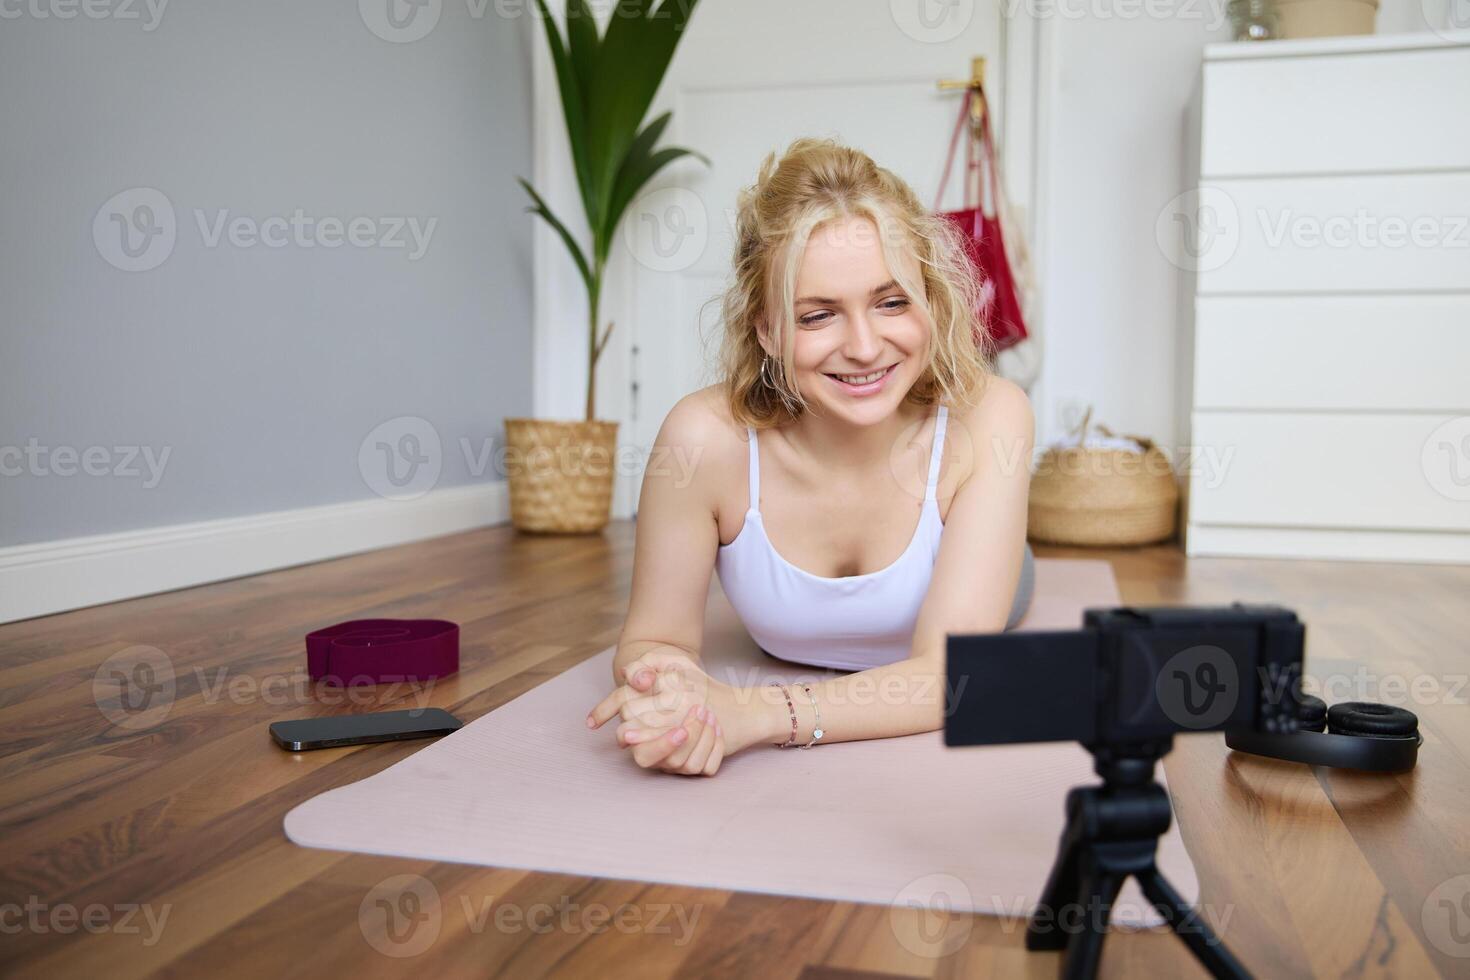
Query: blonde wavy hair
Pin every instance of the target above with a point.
(817, 181)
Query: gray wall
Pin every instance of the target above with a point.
(259, 369)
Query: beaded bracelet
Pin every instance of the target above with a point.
(817, 732)
(791, 708)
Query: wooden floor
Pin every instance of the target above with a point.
(105, 830)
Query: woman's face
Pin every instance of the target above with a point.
(853, 321)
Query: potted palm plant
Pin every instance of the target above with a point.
(561, 472)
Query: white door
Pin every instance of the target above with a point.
(749, 77)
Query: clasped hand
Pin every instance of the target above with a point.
(670, 714)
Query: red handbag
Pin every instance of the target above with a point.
(1000, 311)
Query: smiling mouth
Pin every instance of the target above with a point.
(863, 379)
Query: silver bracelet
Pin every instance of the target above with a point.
(791, 739)
(817, 732)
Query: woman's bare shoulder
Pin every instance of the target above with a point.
(998, 429)
(704, 435)
(1001, 408)
(700, 418)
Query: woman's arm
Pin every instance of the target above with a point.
(676, 539)
(975, 579)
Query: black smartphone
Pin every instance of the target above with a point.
(383, 726)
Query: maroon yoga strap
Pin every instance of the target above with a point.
(376, 651)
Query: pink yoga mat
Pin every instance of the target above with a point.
(896, 821)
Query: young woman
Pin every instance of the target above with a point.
(859, 484)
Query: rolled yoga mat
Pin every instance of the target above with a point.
(888, 821)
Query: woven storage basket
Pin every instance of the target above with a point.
(560, 474)
(1083, 495)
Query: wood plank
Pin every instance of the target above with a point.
(1310, 872)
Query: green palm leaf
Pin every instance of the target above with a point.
(606, 87)
(633, 178)
(540, 208)
(572, 87)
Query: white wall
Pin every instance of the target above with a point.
(1115, 84)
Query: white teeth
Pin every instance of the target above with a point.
(860, 379)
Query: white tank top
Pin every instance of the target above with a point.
(849, 623)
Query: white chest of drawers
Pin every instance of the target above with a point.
(1325, 366)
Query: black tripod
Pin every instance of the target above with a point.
(1112, 832)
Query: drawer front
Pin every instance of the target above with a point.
(1357, 353)
(1401, 471)
(1394, 232)
(1397, 110)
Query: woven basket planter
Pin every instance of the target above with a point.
(560, 474)
(1092, 496)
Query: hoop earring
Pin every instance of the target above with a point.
(765, 377)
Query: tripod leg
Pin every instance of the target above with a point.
(1097, 892)
(1061, 887)
(1207, 947)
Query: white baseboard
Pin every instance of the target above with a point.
(1329, 544)
(53, 576)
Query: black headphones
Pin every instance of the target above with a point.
(1360, 735)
